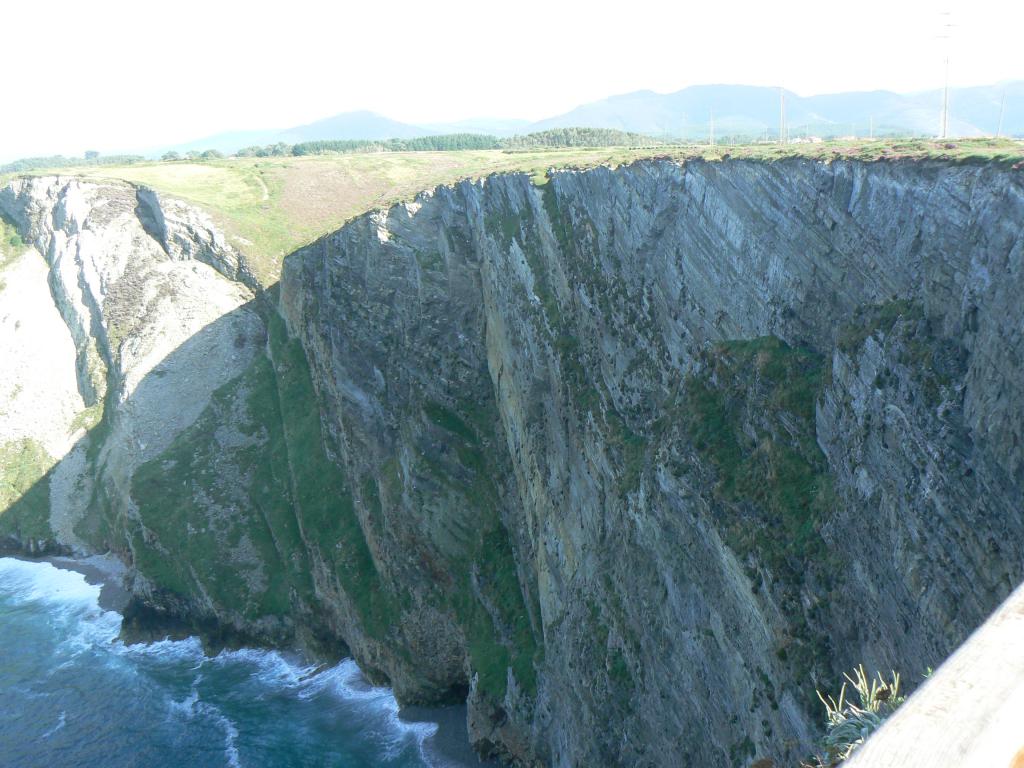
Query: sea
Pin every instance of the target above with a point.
(73, 694)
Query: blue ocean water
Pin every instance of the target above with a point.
(72, 694)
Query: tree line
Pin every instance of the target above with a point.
(60, 161)
(450, 142)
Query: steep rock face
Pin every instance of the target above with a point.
(38, 391)
(634, 460)
(127, 305)
(942, 508)
(499, 348)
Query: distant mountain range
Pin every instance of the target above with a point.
(741, 111)
(750, 111)
(347, 125)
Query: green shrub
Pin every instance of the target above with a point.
(578, 137)
(849, 725)
(11, 244)
(445, 143)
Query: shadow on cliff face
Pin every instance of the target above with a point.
(212, 475)
(239, 523)
(191, 486)
(234, 510)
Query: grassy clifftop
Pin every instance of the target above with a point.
(271, 206)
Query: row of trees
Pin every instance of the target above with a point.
(451, 142)
(210, 154)
(579, 137)
(445, 143)
(557, 137)
(91, 157)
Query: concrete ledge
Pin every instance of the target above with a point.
(970, 712)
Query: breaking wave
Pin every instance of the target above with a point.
(75, 688)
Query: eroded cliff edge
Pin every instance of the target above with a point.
(635, 460)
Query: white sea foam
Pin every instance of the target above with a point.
(186, 707)
(70, 601)
(75, 602)
(28, 581)
(230, 732)
(278, 672)
(193, 707)
(189, 649)
(61, 722)
(344, 681)
(272, 668)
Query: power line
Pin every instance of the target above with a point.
(782, 116)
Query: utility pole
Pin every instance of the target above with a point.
(947, 35)
(945, 105)
(782, 116)
(1002, 107)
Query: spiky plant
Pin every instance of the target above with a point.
(849, 724)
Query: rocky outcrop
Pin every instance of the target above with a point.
(633, 461)
(187, 233)
(145, 324)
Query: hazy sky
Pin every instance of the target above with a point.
(111, 75)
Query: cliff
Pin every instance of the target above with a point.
(633, 460)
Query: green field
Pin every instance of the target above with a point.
(270, 206)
